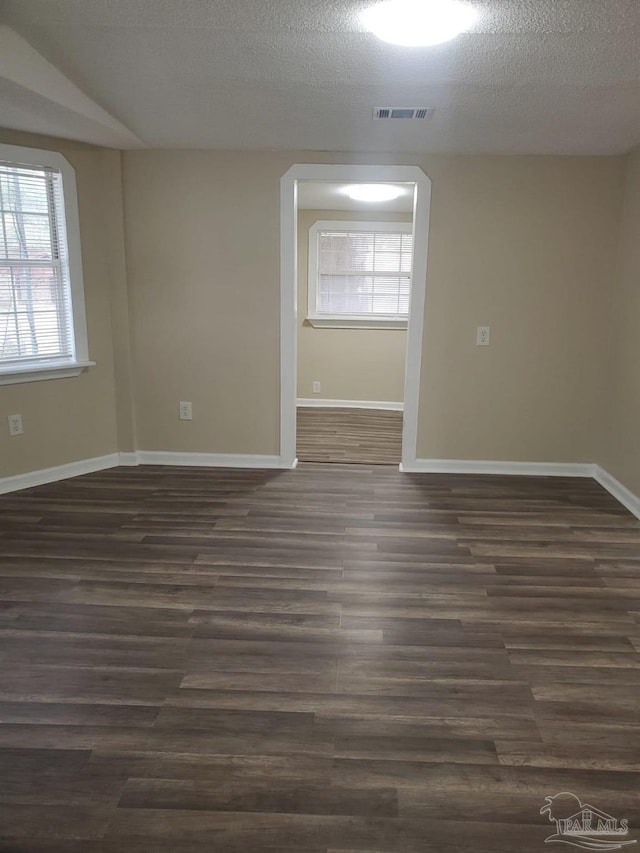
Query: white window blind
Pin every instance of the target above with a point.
(365, 273)
(36, 318)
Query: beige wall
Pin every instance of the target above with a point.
(620, 454)
(202, 236)
(67, 420)
(526, 246)
(351, 364)
(523, 244)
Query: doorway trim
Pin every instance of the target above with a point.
(289, 291)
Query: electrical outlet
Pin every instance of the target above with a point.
(316, 387)
(483, 336)
(186, 413)
(15, 425)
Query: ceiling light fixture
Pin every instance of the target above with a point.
(373, 192)
(418, 23)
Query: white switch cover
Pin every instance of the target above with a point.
(15, 425)
(483, 336)
(316, 387)
(186, 413)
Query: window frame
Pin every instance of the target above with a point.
(350, 321)
(56, 368)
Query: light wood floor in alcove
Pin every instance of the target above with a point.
(326, 660)
(363, 436)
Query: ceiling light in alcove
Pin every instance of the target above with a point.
(418, 23)
(373, 192)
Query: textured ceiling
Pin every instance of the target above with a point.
(534, 76)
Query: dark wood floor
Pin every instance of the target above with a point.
(326, 659)
(362, 436)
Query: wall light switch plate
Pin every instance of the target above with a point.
(15, 425)
(186, 412)
(483, 336)
(316, 387)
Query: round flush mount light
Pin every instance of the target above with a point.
(418, 23)
(373, 192)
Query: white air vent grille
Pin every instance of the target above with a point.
(403, 112)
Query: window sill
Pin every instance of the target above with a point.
(356, 323)
(40, 372)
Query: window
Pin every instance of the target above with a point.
(42, 320)
(360, 274)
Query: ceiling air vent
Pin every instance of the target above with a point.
(403, 112)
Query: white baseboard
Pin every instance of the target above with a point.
(60, 472)
(128, 459)
(230, 460)
(113, 460)
(316, 403)
(205, 460)
(621, 493)
(476, 466)
(208, 460)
